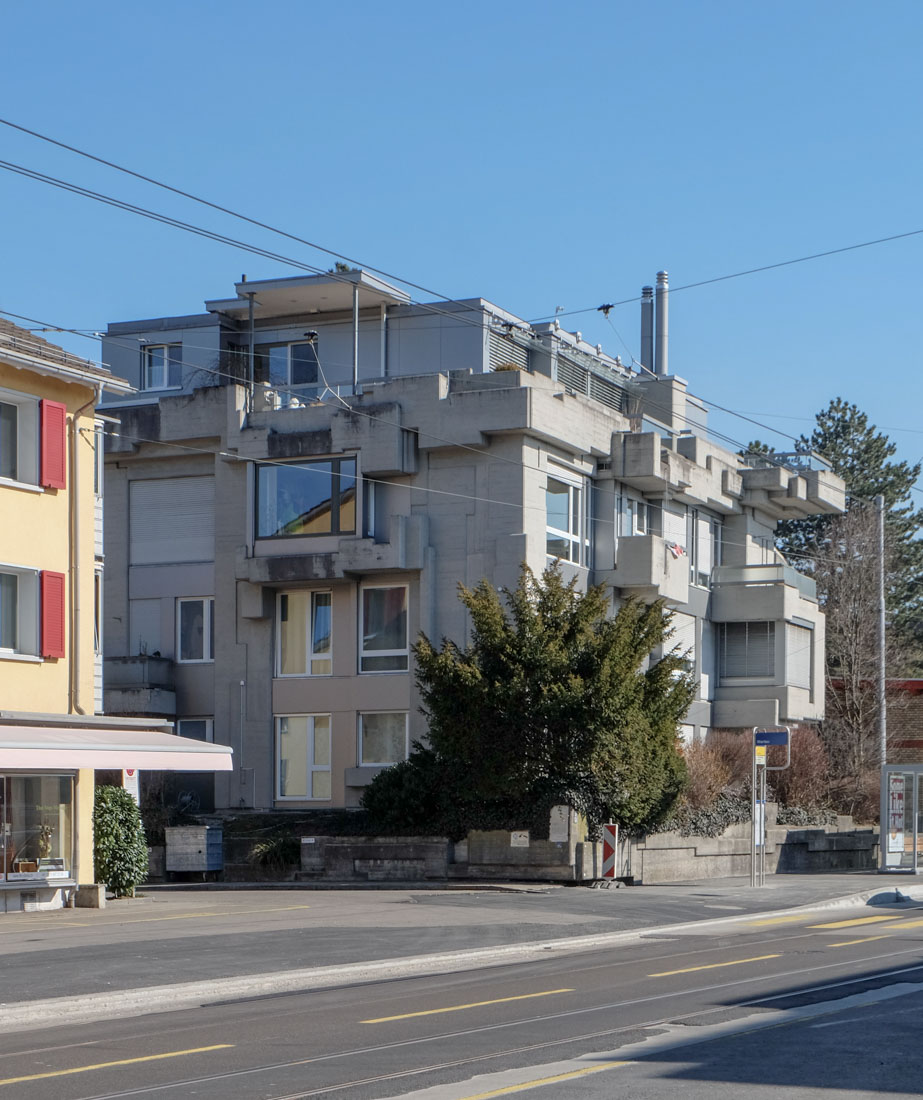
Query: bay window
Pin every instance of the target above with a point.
(306, 498)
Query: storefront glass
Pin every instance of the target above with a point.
(36, 826)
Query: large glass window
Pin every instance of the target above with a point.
(383, 630)
(162, 367)
(305, 637)
(199, 729)
(747, 650)
(382, 738)
(303, 757)
(287, 364)
(703, 542)
(564, 537)
(195, 629)
(36, 826)
(306, 498)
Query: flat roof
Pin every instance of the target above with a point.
(326, 293)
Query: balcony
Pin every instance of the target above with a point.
(646, 567)
(139, 686)
(777, 592)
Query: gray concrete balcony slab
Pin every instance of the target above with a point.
(749, 592)
(646, 567)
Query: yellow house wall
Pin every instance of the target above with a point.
(35, 532)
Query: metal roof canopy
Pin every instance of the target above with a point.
(49, 748)
(309, 294)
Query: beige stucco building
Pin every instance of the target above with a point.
(52, 737)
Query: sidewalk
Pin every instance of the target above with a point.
(175, 948)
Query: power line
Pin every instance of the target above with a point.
(738, 274)
(221, 209)
(232, 242)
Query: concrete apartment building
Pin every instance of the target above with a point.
(309, 468)
(53, 738)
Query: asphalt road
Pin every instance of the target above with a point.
(802, 1004)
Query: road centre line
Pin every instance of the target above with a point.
(208, 913)
(908, 924)
(539, 1081)
(866, 939)
(109, 1065)
(459, 1008)
(713, 966)
(856, 920)
(774, 920)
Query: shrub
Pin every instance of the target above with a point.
(806, 783)
(276, 853)
(708, 774)
(119, 844)
(711, 820)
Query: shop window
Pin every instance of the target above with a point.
(306, 498)
(303, 757)
(384, 645)
(305, 634)
(36, 826)
(382, 738)
(195, 629)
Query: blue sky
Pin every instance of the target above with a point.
(539, 155)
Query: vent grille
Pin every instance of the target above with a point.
(505, 353)
(606, 392)
(572, 376)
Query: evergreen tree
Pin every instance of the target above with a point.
(861, 455)
(550, 703)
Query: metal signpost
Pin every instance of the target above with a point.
(761, 740)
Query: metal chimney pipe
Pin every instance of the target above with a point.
(647, 327)
(663, 326)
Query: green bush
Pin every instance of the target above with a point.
(119, 844)
(276, 853)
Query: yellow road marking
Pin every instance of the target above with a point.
(909, 924)
(849, 943)
(774, 920)
(204, 913)
(854, 921)
(546, 1081)
(108, 1065)
(712, 966)
(459, 1008)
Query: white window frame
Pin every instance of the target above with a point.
(28, 435)
(382, 763)
(310, 655)
(209, 728)
(147, 368)
(208, 640)
(576, 540)
(374, 654)
(310, 766)
(28, 626)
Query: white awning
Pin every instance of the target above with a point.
(49, 749)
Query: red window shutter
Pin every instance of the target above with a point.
(54, 445)
(52, 614)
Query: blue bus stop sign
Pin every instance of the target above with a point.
(770, 737)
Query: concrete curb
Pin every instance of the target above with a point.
(30, 1015)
